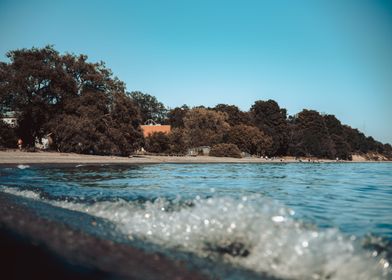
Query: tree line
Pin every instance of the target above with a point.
(86, 109)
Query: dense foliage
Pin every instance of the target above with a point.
(249, 139)
(7, 135)
(270, 118)
(85, 109)
(150, 108)
(79, 103)
(205, 127)
(225, 150)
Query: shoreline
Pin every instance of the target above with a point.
(15, 157)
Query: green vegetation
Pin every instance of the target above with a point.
(86, 109)
(80, 103)
(225, 150)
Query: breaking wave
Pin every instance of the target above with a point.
(251, 232)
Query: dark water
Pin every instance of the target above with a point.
(302, 221)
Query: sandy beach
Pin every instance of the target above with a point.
(12, 157)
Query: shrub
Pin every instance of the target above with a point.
(249, 139)
(178, 142)
(225, 150)
(158, 142)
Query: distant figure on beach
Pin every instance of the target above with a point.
(20, 143)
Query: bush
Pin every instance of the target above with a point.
(178, 142)
(249, 139)
(225, 150)
(158, 142)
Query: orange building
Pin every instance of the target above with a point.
(149, 129)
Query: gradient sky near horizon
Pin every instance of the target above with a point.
(331, 56)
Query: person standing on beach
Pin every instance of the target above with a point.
(20, 143)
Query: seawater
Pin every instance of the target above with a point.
(295, 221)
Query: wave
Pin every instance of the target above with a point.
(252, 232)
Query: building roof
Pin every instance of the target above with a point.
(150, 129)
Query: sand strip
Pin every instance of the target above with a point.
(15, 157)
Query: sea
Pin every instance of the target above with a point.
(283, 220)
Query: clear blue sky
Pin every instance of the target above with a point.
(331, 56)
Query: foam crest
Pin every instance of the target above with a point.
(24, 193)
(252, 232)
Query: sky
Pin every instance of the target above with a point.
(331, 56)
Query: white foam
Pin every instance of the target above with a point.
(22, 166)
(24, 193)
(275, 243)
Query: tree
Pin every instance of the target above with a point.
(235, 115)
(225, 150)
(172, 143)
(178, 141)
(7, 135)
(341, 148)
(149, 106)
(176, 116)
(38, 83)
(334, 126)
(310, 136)
(93, 124)
(158, 142)
(29, 88)
(249, 139)
(356, 140)
(205, 127)
(270, 118)
(388, 151)
(336, 131)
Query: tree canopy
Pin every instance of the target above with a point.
(77, 101)
(270, 118)
(249, 139)
(149, 106)
(85, 109)
(205, 127)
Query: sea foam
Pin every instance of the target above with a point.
(253, 233)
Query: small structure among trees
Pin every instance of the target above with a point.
(150, 127)
(9, 118)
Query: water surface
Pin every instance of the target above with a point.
(301, 221)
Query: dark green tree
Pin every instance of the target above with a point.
(234, 115)
(336, 131)
(158, 142)
(249, 139)
(38, 82)
(8, 138)
(92, 124)
(310, 136)
(270, 118)
(205, 127)
(225, 150)
(176, 116)
(149, 106)
(30, 88)
(178, 141)
(66, 95)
